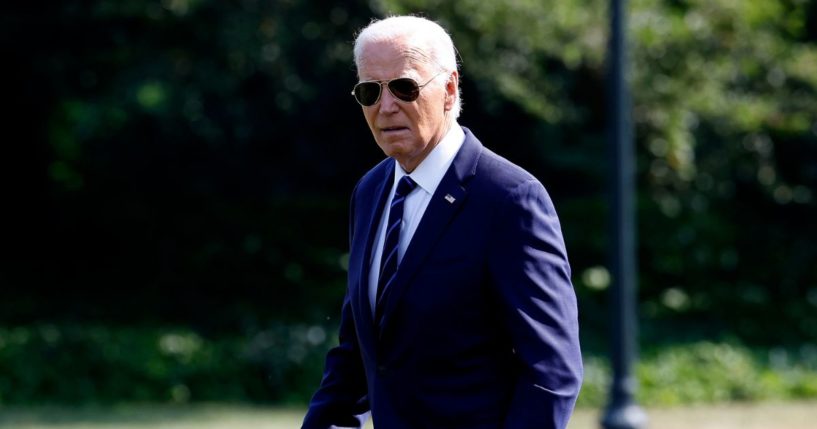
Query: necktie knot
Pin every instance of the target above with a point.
(405, 186)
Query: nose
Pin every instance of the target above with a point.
(388, 104)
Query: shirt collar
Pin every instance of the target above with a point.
(431, 170)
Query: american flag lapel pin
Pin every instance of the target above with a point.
(450, 198)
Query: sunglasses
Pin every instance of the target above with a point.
(403, 88)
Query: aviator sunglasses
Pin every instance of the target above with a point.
(402, 88)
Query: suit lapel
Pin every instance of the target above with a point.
(379, 196)
(441, 210)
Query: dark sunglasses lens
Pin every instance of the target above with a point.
(367, 93)
(405, 89)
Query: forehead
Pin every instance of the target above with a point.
(388, 59)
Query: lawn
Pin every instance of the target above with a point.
(790, 415)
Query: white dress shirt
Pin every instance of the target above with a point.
(427, 175)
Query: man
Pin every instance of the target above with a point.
(459, 311)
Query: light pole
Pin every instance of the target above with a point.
(622, 412)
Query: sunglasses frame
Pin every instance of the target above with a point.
(381, 83)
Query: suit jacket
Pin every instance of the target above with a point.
(479, 328)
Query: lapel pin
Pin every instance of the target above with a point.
(450, 198)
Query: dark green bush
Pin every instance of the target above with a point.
(706, 372)
(80, 364)
(283, 363)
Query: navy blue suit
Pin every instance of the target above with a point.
(479, 328)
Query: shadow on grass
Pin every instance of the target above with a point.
(146, 415)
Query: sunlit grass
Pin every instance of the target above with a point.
(151, 416)
(791, 415)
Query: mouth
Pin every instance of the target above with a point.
(393, 129)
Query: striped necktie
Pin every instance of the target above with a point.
(388, 259)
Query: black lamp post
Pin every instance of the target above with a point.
(622, 412)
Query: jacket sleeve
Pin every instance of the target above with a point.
(531, 271)
(341, 401)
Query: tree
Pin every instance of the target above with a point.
(725, 96)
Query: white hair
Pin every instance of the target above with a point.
(432, 44)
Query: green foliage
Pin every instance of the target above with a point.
(283, 363)
(188, 163)
(708, 372)
(97, 364)
(724, 98)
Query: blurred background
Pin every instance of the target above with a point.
(177, 174)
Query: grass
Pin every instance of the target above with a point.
(766, 415)
(150, 416)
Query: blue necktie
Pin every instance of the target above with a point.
(388, 259)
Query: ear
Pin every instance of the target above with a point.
(451, 89)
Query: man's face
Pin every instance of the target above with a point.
(406, 131)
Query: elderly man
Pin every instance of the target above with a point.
(459, 311)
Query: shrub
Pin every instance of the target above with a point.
(283, 363)
(95, 364)
(706, 372)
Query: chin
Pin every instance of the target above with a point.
(392, 148)
(393, 152)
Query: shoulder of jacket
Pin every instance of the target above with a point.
(502, 176)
